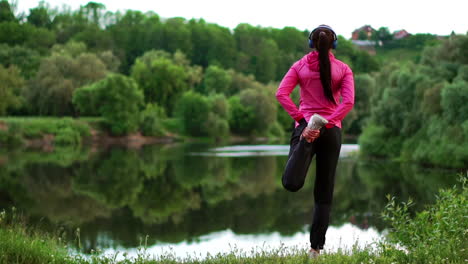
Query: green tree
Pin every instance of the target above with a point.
(26, 59)
(118, 100)
(216, 80)
(252, 112)
(40, 16)
(161, 80)
(383, 34)
(11, 84)
(135, 33)
(150, 120)
(454, 101)
(93, 11)
(6, 12)
(50, 92)
(193, 109)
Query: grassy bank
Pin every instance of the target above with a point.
(437, 234)
(50, 132)
(17, 131)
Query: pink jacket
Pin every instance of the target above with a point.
(305, 72)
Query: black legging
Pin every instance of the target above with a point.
(327, 148)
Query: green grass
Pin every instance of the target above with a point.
(66, 131)
(435, 235)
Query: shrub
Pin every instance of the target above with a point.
(277, 131)
(193, 109)
(150, 120)
(252, 112)
(437, 233)
(67, 136)
(217, 127)
(117, 99)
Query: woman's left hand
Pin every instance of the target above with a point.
(310, 134)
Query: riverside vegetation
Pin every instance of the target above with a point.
(436, 234)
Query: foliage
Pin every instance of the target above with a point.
(11, 84)
(50, 92)
(66, 131)
(216, 80)
(118, 100)
(193, 109)
(6, 12)
(435, 233)
(150, 120)
(26, 59)
(252, 112)
(418, 112)
(161, 79)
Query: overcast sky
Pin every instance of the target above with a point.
(416, 16)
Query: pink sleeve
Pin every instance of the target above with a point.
(287, 85)
(347, 93)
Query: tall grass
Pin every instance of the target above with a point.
(66, 131)
(435, 235)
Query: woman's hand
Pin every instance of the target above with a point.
(310, 135)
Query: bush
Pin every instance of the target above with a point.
(277, 131)
(193, 109)
(217, 127)
(117, 98)
(67, 136)
(438, 233)
(150, 120)
(241, 118)
(375, 141)
(454, 98)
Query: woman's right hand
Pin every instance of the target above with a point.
(310, 134)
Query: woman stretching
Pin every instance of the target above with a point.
(326, 88)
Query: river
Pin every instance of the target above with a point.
(198, 199)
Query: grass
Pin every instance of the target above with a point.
(66, 131)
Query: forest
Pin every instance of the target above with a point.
(139, 72)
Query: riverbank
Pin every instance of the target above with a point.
(46, 133)
(434, 235)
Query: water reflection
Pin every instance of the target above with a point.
(175, 196)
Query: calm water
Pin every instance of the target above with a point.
(194, 199)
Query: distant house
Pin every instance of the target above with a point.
(364, 32)
(401, 34)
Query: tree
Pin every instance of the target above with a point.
(93, 10)
(6, 12)
(216, 80)
(11, 84)
(161, 80)
(135, 33)
(383, 34)
(26, 59)
(118, 100)
(193, 109)
(50, 92)
(454, 98)
(39, 16)
(253, 111)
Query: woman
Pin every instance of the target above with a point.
(323, 81)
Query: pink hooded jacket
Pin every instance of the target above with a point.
(305, 72)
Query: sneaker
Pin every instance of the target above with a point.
(313, 254)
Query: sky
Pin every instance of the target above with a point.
(416, 16)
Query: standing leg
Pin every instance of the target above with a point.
(327, 151)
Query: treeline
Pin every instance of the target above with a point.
(419, 111)
(142, 72)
